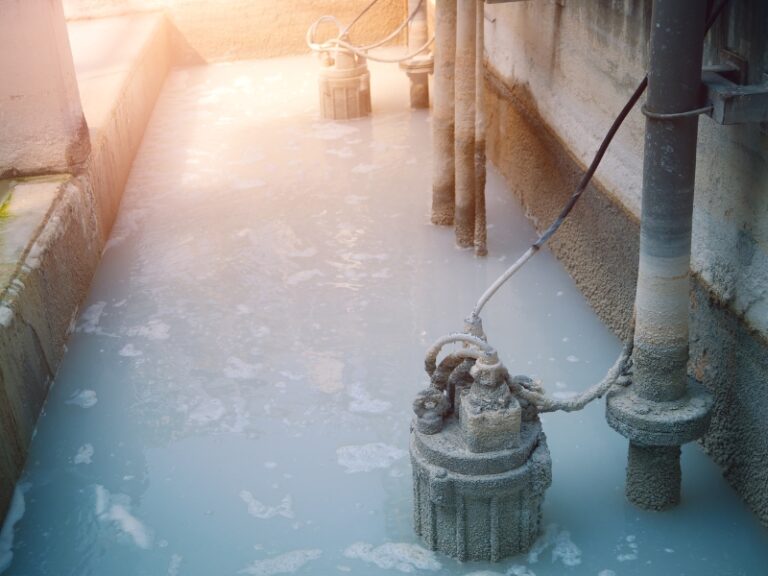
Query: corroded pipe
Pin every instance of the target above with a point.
(661, 334)
(443, 114)
(466, 15)
(481, 232)
(674, 81)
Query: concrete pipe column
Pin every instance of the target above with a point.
(420, 66)
(466, 50)
(674, 82)
(661, 410)
(481, 232)
(43, 127)
(443, 165)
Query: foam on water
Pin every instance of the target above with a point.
(401, 556)
(175, 565)
(83, 398)
(282, 331)
(130, 351)
(240, 370)
(332, 130)
(363, 402)
(287, 563)
(153, 330)
(368, 457)
(84, 454)
(90, 318)
(563, 548)
(264, 512)
(115, 510)
(15, 513)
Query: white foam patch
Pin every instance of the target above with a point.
(247, 183)
(130, 351)
(173, 567)
(127, 223)
(83, 398)
(308, 252)
(84, 454)
(368, 457)
(16, 511)
(572, 358)
(606, 573)
(287, 563)
(400, 556)
(628, 549)
(152, 330)
(264, 512)
(302, 276)
(345, 152)
(332, 130)
(563, 548)
(115, 510)
(207, 410)
(362, 402)
(240, 370)
(364, 168)
(89, 320)
(518, 570)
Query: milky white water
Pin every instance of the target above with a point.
(236, 395)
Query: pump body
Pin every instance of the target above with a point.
(480, 464)
(345, 86)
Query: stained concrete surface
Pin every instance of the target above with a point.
(54, 230)
(545, 54)
(237, 395)
(205, 31)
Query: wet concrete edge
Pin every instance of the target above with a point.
(599, 247)
(38, 308)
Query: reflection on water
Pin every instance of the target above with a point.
(236, 395)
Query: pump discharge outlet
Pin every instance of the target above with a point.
(345, 85)
(480, 462)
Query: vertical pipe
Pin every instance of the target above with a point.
(661, 333)
(417, 28)
(674, 83)
(443, 164)
(466, 16)
(418, 35)
(481, 233)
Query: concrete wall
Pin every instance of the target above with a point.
(43, 289)
(558, 73)
(208, 31)
(44, 131)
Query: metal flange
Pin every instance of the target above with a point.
(648, 423)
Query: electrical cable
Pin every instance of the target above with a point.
(362, 51)
(583, 182)
(617, 374)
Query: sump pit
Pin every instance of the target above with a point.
(237, 394)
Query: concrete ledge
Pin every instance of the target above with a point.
(53, 230)
(118, 89)
(247, 29)
(38, 305)
(599, 246)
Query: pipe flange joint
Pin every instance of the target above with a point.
(648, 423)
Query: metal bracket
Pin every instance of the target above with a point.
(734, 104)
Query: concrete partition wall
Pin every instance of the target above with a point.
(557, 74)
(54, 227)
(206, 31)
(43, 127)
